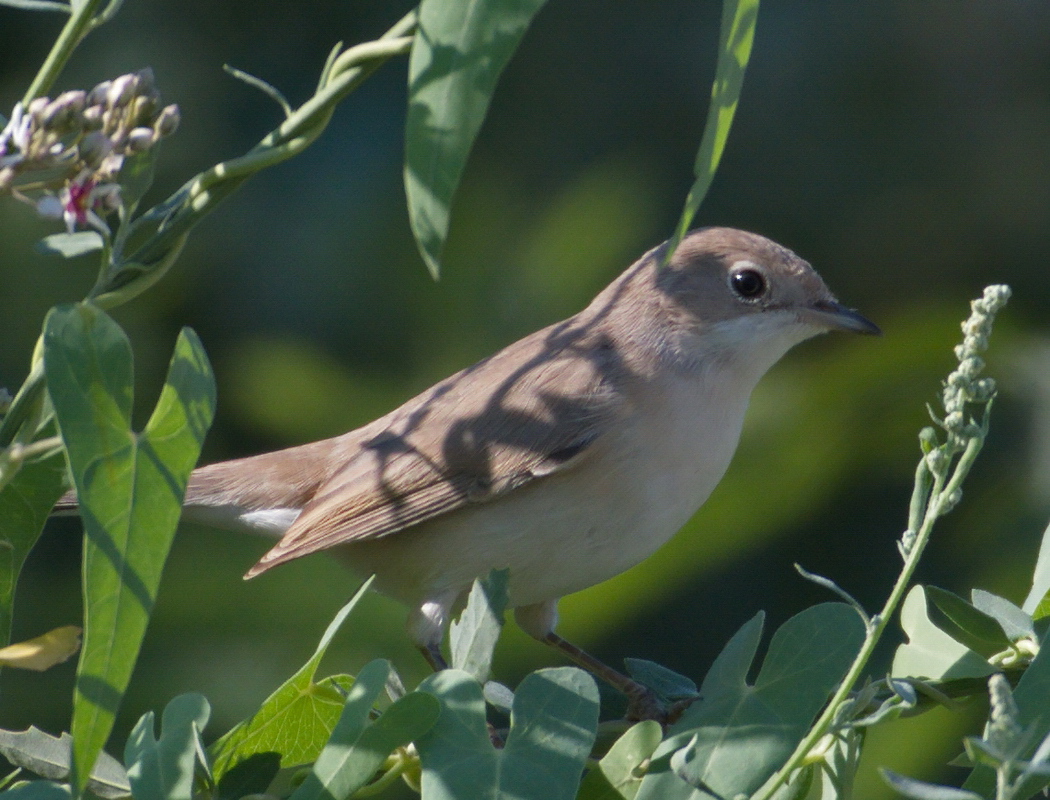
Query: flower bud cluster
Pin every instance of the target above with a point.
(64, 156)
(965, 385)
(1003, 726)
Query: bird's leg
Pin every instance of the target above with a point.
(432, 653)
(426, 627)
(642, 702)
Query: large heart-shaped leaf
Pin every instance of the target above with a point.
(553, 725)
(738, 734)
(292, 725)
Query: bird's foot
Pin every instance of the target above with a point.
(432, 653)
(643, 703)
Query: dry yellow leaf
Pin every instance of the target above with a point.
(44, 651)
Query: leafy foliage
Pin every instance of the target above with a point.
(796, 730)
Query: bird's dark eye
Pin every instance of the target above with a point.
(748, 283)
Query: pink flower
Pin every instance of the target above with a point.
(82, 199)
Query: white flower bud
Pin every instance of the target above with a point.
(937, 461)
(927, 439)
(121, 91)
(141, 110)
(93, 118)
(94, 147)
(167, 121)
(971, 367)
(140, 140)
(97, 96)
(36, 107)
(146, 83)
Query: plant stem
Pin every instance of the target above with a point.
(938, 494)
(199, 196)
(80, 23)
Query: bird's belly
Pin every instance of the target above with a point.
(557, 535)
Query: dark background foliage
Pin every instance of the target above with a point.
(899, 146)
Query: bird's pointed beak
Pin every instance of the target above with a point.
(833, 315)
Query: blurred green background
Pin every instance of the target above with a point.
(903, 148)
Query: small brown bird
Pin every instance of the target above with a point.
(569, 456)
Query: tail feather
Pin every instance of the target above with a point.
(279, 480)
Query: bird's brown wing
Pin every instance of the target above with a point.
(486, 431)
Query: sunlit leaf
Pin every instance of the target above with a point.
(930, 653)
(472, 637)
(458, 53)
(920, 790)
(295, 721)
(165, 768)
(618, 776)
(1015, 622)
(44, 651)
(357, 748)
(36, 5)
(49, 757)
(966, 624)
(739, 18)
(70, 245)
(1035, 603)
(130, 488)
(38, 790)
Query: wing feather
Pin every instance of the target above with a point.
(532, 410)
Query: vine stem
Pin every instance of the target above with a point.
(201, 194)
(80, 24)
(937, 495)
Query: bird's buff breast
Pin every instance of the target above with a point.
(565, 532)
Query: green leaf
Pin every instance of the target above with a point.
(130, 488)
(36, 5)
(498, 696)
(930, 653)
(25, 503)
(296, 720)
(39, 790)
(739, 18)
(356, 748)
(1035, 604)
(473, 637)
(49, 757)
(734, 739)
(1016, 623)
(618, 774)
(458, 53)
(166, 768)
(553, 726)
(838, 770)
(980, 632)
(1032, 696)
(70, 245)
(135, 178)
(665, 682)
(920, 790)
